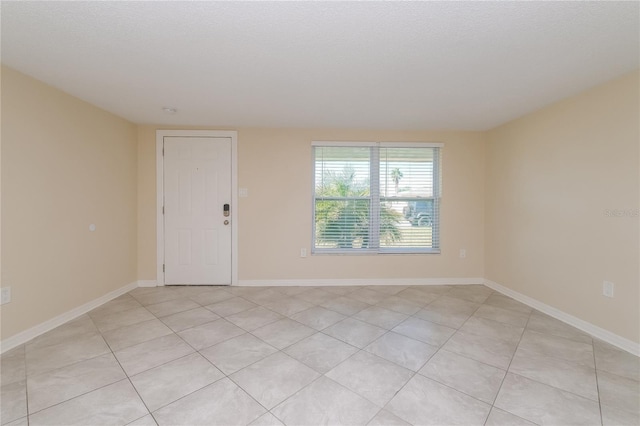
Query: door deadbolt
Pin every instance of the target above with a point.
(225, 210)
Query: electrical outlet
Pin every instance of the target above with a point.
(303, 252)
(463, 253)
(607, 288)
(5, 295)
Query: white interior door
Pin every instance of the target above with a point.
(197, 233)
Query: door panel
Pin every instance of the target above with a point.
(197, 184)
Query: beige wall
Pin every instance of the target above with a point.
(275, 220)
(65, 164)
(527, 201)
(146, 203)
(551, 176)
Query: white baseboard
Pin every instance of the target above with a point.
(360, 281)
(600, 333)
(24, 336)
(587, 327)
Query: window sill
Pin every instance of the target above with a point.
(357, 252)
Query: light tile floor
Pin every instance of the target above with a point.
(419, 355)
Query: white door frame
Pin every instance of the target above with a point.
(160, 135)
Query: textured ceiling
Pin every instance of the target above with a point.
(408, 65)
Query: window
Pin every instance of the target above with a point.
(376, 197)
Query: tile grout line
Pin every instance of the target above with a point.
(358, 350)
(26, 384)
(561, 359)
(315, 331)
(225, 340)
(66, 366)
(440, 347)
(251, 396)
(595, 368)
(546, 384)
(245, 332)
(289, 356)
(93, 390)
(126, 375)
(197, 351)
(417, 371)
(160, 365)
(507, 371)
(99, 332)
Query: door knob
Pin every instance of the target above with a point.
(226, 222)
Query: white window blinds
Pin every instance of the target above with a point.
(376, 198)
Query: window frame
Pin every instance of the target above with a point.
(375, 197)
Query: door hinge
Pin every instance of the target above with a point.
(162, 209)
(163, 150)
(163, 267)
